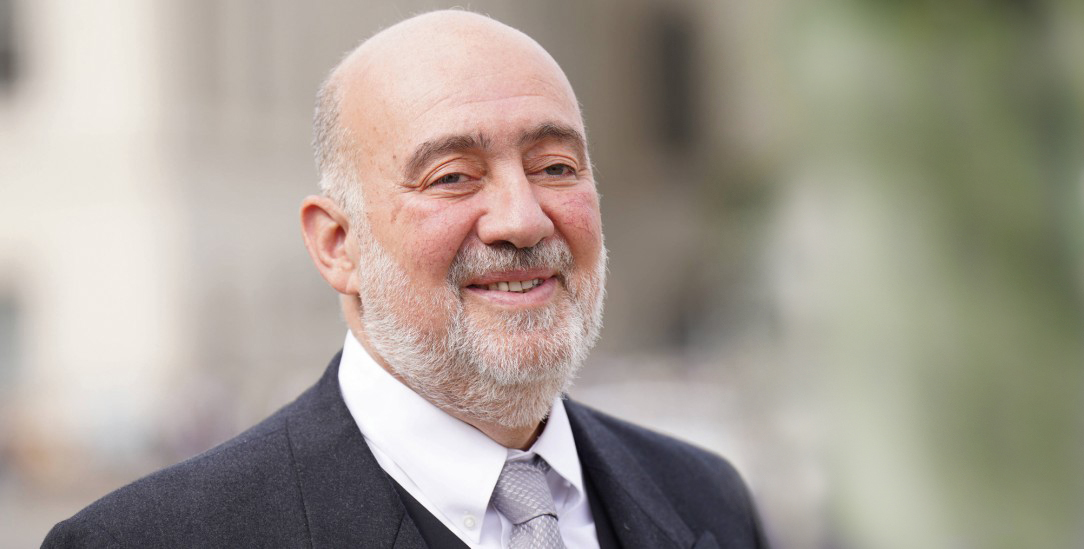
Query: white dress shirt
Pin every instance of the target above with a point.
(449, 466)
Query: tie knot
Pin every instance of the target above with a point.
(522, 492)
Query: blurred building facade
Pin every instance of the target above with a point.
(802, 250)
(156, 294)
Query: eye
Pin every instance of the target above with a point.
(559, 170)
(450, 179)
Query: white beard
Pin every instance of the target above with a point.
(503, 368)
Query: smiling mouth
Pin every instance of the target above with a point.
(517, 286)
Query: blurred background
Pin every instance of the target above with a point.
(847, 244)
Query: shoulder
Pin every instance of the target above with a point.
(246, 480)
(699, 486)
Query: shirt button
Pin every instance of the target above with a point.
(469, 522)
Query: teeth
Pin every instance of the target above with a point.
(514, 285)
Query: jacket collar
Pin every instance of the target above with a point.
(641, 514)
(347, 497)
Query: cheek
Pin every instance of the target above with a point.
(431, 236)
(577, 217)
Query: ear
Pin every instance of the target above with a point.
(326, 229)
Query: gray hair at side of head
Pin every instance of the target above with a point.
(331, 145)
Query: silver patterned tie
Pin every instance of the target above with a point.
(524, 498)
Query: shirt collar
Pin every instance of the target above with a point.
(453, 464)
(556, 445)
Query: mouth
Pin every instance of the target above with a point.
(518, 286)
(522, 288)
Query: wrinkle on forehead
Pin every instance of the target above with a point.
(424, 109)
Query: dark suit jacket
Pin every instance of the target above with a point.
(305, 477)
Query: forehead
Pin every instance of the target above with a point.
(406, 92)
(499, 106)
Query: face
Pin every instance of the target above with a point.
(481, 256)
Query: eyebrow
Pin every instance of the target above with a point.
(556, 132)
(426, 152)
(435, 148)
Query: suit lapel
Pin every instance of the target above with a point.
(349, 501)
(639, 512)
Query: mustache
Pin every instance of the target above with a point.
(478, 259)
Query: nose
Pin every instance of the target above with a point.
(513, 213)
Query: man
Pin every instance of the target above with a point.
(460, 222)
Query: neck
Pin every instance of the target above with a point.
(520, 438)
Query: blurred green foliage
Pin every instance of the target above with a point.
(944, 145)
(972, 111)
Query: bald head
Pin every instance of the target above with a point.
(406, 72)
(444, 40)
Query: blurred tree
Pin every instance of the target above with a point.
(943, 140)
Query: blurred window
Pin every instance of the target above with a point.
(674, 78)
(8, 57)
(9, 338)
